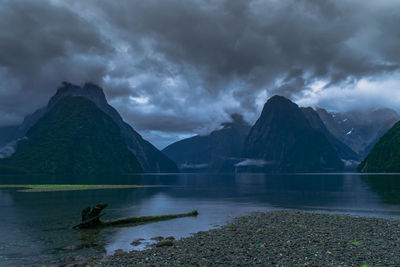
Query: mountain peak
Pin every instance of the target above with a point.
(75, 137)
(149, 157)
(279, 100)
(284, 137)
(88, 90)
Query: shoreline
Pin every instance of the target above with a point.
(276, 238)
(35, 188)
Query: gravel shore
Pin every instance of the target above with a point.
(280, 238)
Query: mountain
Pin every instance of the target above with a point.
(149, 157)
(316, 123)
(385, 155)
(216, 152)
(282, 140)
(359, 130)
(73, 137)
(7, 134)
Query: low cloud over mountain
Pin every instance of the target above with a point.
(160, 62)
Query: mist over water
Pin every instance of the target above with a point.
(38, 225)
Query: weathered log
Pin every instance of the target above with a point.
(145, 219)
(91, 218)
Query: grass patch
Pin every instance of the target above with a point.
(356, 243)
(68, 187)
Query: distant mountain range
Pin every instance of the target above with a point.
(285, 138)
(217, 152)
(79, 132)
(145, 157)
(344, 152)
(359, 130)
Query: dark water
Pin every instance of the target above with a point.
(35, 227)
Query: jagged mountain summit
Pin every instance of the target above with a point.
(385, 155)
(283, 140)
(217, 152)
(359, 130)
(149, 157)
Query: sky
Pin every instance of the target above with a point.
(176, 68)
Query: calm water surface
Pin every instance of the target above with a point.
(35, 228)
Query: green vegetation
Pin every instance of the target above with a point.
(385, 155)
(74, 137)
(68, 187)
(356, 243)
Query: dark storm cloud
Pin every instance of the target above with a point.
(242, 47)
(258, 40)
(41, 45)
(184, 66)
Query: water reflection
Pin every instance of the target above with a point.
(37, 225)
(387, 186)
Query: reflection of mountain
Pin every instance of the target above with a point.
(360, 130)
(325, 192)
(285, 140)
(41, 222)
(216, 152)
(386, 186)
(45, 218)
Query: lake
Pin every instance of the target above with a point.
(35, 228)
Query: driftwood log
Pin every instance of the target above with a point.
(91, 218)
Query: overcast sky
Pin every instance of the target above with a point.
(175, 68)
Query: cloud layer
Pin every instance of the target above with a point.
(175, 68)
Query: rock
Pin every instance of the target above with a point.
(157, 238)
(165, 242)
(137, 242)
(119, 252)
(72, 247)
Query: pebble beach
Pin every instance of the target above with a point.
(279, 238)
